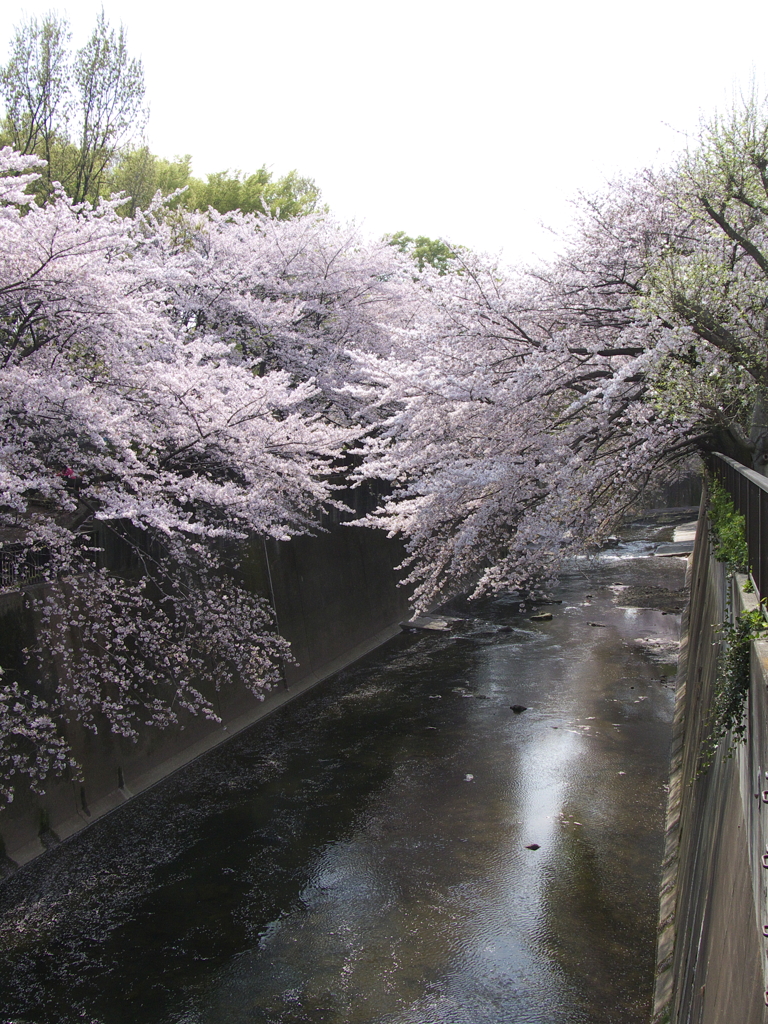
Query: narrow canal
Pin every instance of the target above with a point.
(396, 846)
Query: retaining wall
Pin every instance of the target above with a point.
(335, 597)
(712, 966)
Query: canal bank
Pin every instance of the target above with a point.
(713, 927)
(335, 597)
(398, 846)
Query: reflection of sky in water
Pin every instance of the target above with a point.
(344, 871)
(435, 911)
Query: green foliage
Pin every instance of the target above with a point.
(286, 197)
(34, 85)
(727, 528)
(109, 86)
(141, 175)
(425, 250)
(80, 112)
(729, 164)
(727, 713)
(76, 111)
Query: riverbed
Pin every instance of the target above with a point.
(397, 846)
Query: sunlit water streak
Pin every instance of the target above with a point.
(361, 856)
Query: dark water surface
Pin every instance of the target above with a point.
(360, 856)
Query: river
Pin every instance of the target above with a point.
(398, 846)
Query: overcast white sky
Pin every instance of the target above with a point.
(472, 121)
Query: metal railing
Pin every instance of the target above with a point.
(749, 491)
(24, 566)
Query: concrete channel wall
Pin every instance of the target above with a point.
(335, 597)
(712, 966)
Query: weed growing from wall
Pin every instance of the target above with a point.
(727, 528)
(727, 713)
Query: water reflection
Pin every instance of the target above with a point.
(362, 856)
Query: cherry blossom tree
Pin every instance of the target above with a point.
(524, 413)
(709, 285)
(519, 419)
(157, 377)
(298, 296)
(188, 380)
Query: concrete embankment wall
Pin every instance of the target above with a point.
(335, 597)
(712, 963)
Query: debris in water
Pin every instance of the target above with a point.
(519, 708)
(533, 846)
(433, 623)
(541, 617)
(600, 624)
(468, 778)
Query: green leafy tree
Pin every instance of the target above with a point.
(35, 87)
(286, 197)
(81, 112)
(140, 175)
(75, 111)
(110, 88)
(425, 250)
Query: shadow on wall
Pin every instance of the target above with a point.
(335, 597)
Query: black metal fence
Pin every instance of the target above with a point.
(749, 491)
(24, 565)
(21, 567)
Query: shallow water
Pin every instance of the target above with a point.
(361, 856)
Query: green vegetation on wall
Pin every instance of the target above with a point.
(727, 713)
(727, 528)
